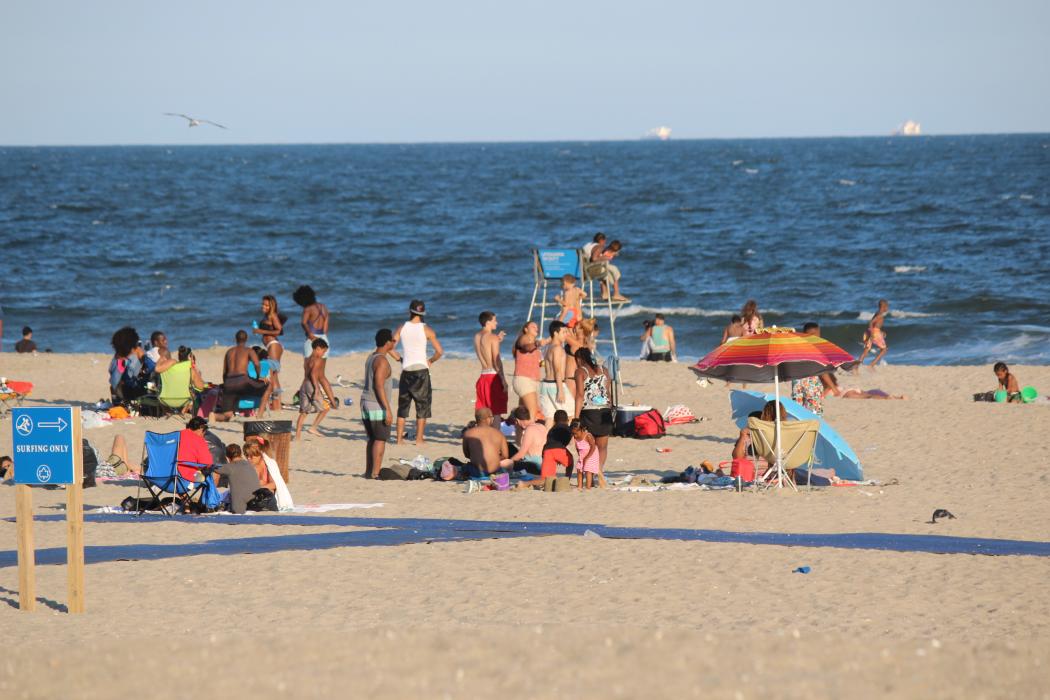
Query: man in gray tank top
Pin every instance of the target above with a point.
(375, 402)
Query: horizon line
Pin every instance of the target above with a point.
(523, 141)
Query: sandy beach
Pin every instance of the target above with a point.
(330, 610)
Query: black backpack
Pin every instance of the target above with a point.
(262, 500)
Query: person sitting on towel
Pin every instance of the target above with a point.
(243, 479)
(484, 446)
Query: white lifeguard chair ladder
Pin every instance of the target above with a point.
(551, 264)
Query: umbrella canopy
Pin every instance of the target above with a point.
(832, 451)
(772, 353)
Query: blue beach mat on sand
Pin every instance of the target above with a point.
(384, 532)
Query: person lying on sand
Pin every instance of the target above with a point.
(845, 392)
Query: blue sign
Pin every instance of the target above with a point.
(43, 445)
(558, 263)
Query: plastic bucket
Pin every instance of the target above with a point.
(1029, 394)
(1000, 396)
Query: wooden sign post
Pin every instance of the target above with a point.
(48, 449)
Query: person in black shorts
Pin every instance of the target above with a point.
(414, 385)
(376, 413)
(594, 404)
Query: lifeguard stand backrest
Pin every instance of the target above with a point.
(555, 263)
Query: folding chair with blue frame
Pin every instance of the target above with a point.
(160, 475)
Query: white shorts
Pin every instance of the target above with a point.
(523, 386)
(549, 404)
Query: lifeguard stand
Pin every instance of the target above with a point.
(551, 264)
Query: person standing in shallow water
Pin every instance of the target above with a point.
(314, 319)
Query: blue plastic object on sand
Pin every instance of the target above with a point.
(801, 570)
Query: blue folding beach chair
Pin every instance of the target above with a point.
(160, 475)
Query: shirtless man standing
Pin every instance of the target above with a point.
(236, 384)
(484, 446)
(491, 387)
(554, 395)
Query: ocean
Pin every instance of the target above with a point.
(954, 231)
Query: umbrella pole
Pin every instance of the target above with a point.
(776, 415)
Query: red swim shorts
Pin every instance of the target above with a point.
(491, 394)
(552, 457)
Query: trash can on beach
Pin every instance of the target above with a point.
(279, 434)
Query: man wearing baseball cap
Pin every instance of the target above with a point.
(414, 383)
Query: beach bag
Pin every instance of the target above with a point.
(678, 414)
(90, 459)
(649, 425)
(262, 500)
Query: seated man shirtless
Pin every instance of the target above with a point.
(236, 384)
(484, 446)
(533, 437)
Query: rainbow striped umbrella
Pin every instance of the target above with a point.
(770, 355)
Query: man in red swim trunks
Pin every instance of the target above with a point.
(491, 389)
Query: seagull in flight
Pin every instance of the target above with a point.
(194, 122)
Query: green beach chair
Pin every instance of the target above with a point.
(175, 391)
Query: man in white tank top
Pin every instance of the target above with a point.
(414, 384)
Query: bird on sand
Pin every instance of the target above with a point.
(193, 121)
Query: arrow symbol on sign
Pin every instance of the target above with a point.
(60, 424)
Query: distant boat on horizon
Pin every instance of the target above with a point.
(908, 128)
(659, 133)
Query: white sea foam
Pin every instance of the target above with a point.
(750, 171)
(848, 183)
(867, 315)
(1025, 196)
(905, 269)
(737, 162)
(638, 310)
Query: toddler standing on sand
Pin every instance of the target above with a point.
(587, 449)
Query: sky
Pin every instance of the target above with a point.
(103, 72)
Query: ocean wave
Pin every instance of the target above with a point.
(638, 310)
(847, 183)
(905, 269)
(868, 315)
